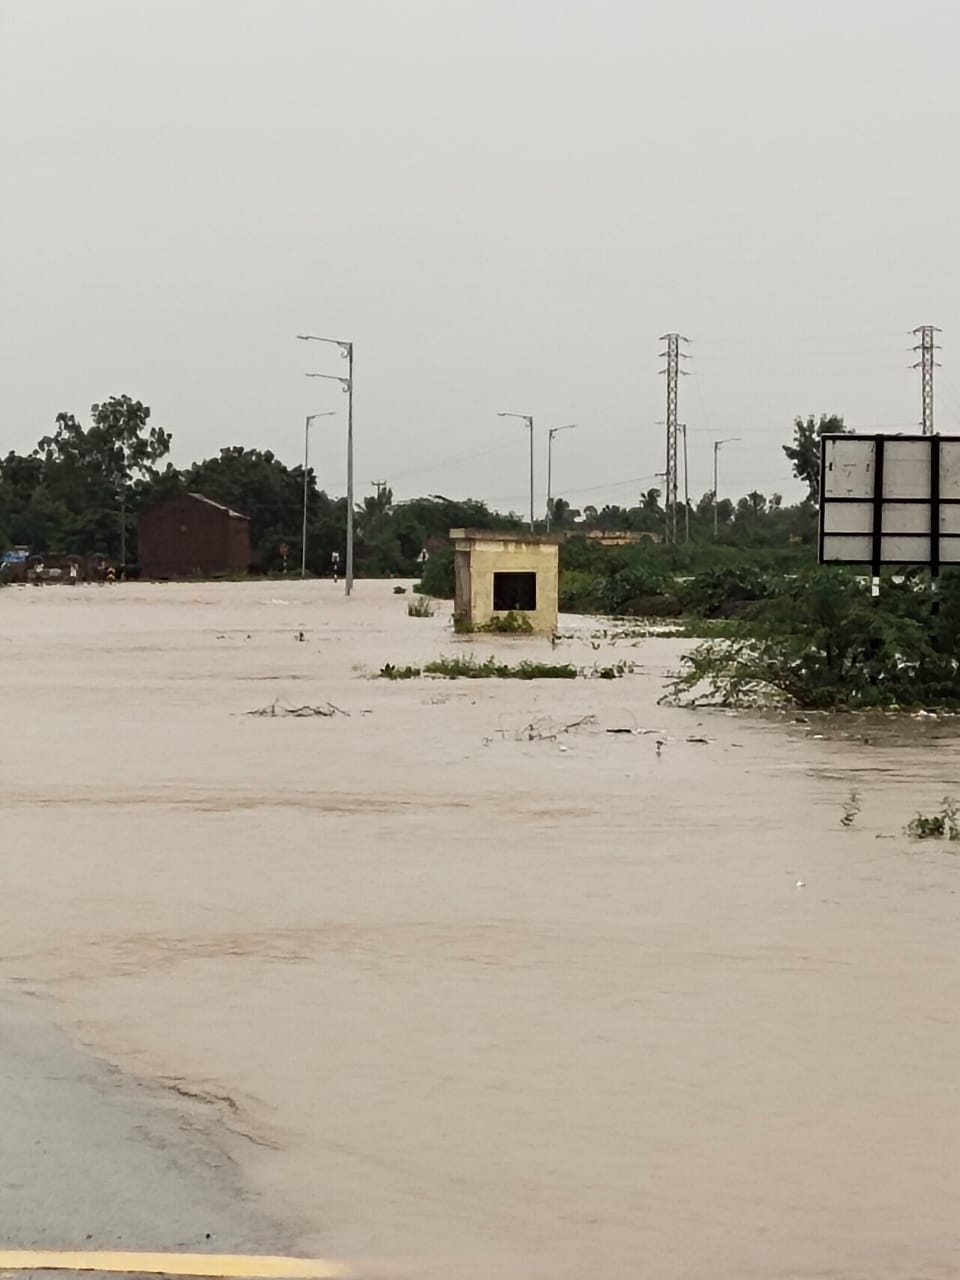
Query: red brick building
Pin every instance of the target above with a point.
(193, 536)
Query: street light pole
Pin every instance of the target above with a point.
(327, 413)
(528, 419)
(570, 426)
(346, 351)
(716, 480)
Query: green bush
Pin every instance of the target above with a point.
(508, 624)
(708, 579)
(437, 578)
(825, 643)
(471, 668)
(944, 825)
(723, 592)
(579, 591)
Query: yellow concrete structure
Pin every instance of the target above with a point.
(499, 573)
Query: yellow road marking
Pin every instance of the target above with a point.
(216, 1265)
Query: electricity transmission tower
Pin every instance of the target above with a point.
(673, 356)
(926, 364)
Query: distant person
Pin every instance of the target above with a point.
(38, 573)
(73, 573)
(335, 563)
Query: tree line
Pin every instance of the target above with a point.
(81, 490)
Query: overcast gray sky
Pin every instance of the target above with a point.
(503, 204)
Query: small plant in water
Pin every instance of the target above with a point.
(471, 668)
(944, 825)
(508, 624)
(615, 672)
(420, 608)
(851, 809)
(390, 672)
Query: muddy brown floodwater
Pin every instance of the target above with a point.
(474, 1005)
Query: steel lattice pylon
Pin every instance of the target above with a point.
(673, 371)
(926, 364)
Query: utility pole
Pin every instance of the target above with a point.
(926, 364)
(686, 485)
(673, 356)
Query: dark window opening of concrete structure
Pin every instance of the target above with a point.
(517, 591)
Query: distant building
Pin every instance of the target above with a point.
(621, 538)
(497, 572)
(193, 536)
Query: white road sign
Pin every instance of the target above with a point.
(890, 500)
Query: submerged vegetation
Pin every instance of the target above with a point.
(824, 643)
(508, 624)
(471, 668)
(943, 825)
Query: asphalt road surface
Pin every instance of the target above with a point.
(90, 1160)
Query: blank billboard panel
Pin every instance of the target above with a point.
(890, 500)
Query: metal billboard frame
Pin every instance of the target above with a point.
(881, 493)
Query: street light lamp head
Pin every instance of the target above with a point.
(346, 348)
(331, 377)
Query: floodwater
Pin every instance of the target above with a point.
(478, 1002)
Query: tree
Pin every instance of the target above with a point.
(117, 448)
(29, 513)
(256, 483)
(752, 507)
(804, 453)
(559, 513)
(704, 508)
(92, 471)
(725, 511)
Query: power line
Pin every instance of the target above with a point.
(810, 337)
(797, 373)
(593, 488)
(452, 460)
(777, 430)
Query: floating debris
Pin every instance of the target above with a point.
(277, 708)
